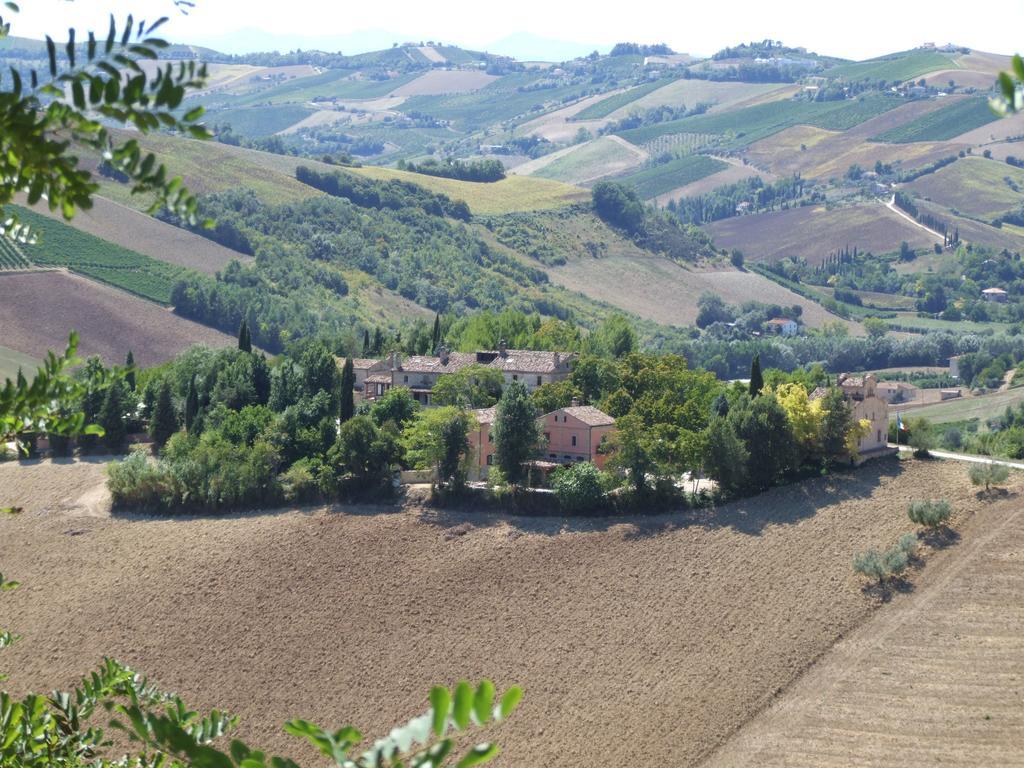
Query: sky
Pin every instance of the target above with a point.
(856, 30)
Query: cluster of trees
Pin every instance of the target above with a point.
(637, 49)
(652, 116)
(723, 202)
(471, 170)
(713, 315)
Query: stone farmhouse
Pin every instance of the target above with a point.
(420, 372)
(861, 393)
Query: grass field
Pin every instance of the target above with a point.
(903, 66)
(674, 629)
(813, 232)
(942, 124)
(513, 193)
(63, 246)
(974, 186)
(912, 322)
(259, 120)
(39, 309)
(967, 408)
(655, 180)
(11, 362)
(690, 93)
(751, 124)
(332, 84)
(605, 156)
(933, 679)
(605, 107)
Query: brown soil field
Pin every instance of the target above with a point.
(660, 290)
(935, 679)
(143, 234)
(39, 309)
(964, 78)
(981, 61)
(646, 640)
(996, 131)
(974, 186)
(832, 155)
(438, 82)
(693, 92)
(974, 231)
(555, 126)
(729, 175)
(814, 232)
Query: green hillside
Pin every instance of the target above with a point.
(895, 67)
(946, 123)
(605, 107)
(660, 178)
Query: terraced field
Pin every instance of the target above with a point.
(655, 180)
(943, 124)
(975, 186)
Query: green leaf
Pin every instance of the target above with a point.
(463, 705)
(1018, 67)
(478, 755)
(483, 701)
(440, 702)
(1007, 86)
(509, 701)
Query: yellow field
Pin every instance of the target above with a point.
(514, 193)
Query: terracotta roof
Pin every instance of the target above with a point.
(379, 378)
(431, 364)
(852, 381)
(589, 415)
(363, 362)
(526, 361)
(818, 393)
(779, 321)
(485, 415)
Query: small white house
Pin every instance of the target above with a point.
(783, 326)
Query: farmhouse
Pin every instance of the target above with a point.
(363, 368)
(861, 393)
(895, 391)
(994, 294)
(420, 372)
(782, 326)
(571, 435)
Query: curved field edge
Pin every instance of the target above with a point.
(673, 628)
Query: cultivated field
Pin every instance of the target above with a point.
(943, 124)
(657, 289)
(673, 630)
(963, 409)
(814, 232)
(690, 93)
(11, 362)
(654, 180)
(39, 309)
(143, 234)
(437, 82)
(513, 193)
(999, 130)
(589, 162)
(730, 175)
(902, 66)
(559, 125)
(934, 679)
(975, 186)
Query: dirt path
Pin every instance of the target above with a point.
(645, 640)
(891, 205)
(936, 679)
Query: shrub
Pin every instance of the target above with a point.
(883, 566)
(579, 487)
(930, 514)
(922, 440)
(988, 474)
(907, 544)
(137, 482)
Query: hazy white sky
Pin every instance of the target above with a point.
(858, 29)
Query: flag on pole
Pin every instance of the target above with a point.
(899, 423)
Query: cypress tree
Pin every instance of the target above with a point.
(244, 339)
(348, 384)
(112, 417)
(129, 376)
(261, 379)
(756, 379)
(164, 422)
(516, 433)
(435, 336)
(191, 405)
(366, 341)
(378, 341)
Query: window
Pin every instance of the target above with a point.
(405, 379)
(547, 436)
(538, 381)
(515, 377)
(879, 438)
(552, 455)
(490, 437)
(574, 441)
(490, 459)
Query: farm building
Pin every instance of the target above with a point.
(420, 372)
(363, 368)
(782, 326)
(862, 395)
(895, 391)
(572, 435)
(994, 294)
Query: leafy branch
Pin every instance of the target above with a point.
(1011, 86)
(96, 83)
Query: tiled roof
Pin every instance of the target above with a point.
(779, 321)
(527, 361)
(485, 415)
(589, 415)
(818, 393)
(364, 363)
(379, 378)
(430, 364)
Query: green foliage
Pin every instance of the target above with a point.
(67, 108)
(726, 457)
(43, 405)
(364, 453)
(876, 327)
(580, 487)
(659, 178)
(882, 566)
(438, 439)
(756, 379)
(474, 386)
(922, 439)
(475, 170)
(618, 205)
(931, 514)
(988, 474)
(244, 337)
(348, 384)
(164, 421)
(396, 406)
(554, 395)
(516, 433)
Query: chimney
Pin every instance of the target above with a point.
(397, 365)
(391, 361)
(444, 355)
(558, 359)
(503, 348)
(575, 402)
